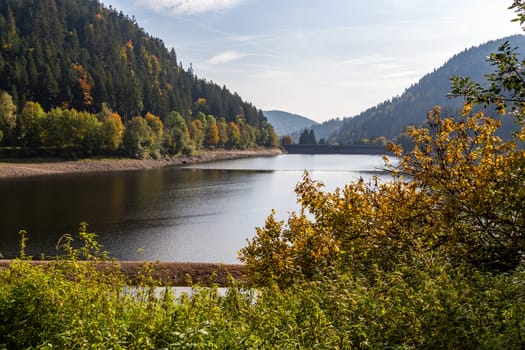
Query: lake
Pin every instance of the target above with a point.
(197, 213)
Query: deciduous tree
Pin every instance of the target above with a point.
(138, 138)
(7, 115)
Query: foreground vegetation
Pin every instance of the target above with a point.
(425, 304)
(431, 260)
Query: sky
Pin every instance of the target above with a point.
(321, 59)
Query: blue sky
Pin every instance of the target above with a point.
(319, 58)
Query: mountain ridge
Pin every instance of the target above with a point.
(286, 123)
(390, 118)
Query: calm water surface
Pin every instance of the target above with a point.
(200, 213)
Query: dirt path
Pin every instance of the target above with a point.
(23, 168)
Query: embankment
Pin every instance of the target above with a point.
(336, 149)
(38, 167)
(166, 273)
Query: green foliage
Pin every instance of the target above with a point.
(176, 135)
(7, 114)
(506, 84)
(84, 56)
(74, 304)
(30, 124)
(138, 139)
(73, 133)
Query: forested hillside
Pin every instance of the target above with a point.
(390, 118)
(80, 55)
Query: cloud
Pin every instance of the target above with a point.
(188, 7)
(373, 59)
(408, 74)
(225, 57)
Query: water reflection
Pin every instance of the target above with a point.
(203, 212)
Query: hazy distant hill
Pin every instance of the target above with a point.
(285, 123)
(391, 117)
(323, 130)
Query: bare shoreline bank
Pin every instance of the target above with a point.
(164, 273)
(25, 168)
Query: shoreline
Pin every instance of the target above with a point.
(163, 273)
(18, 168)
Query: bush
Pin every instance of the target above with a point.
(427, 303)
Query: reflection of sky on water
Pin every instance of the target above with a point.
(300, 162)
(203, 212)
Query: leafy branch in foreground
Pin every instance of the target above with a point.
(506, 87)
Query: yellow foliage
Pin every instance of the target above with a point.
(84, 84)
(464, 197)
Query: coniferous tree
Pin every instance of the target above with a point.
(79, 54)
(307, 137)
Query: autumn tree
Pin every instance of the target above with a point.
(458, 193)
(29, 124)
(113, 132)
(7, 115)
(222, 127)
(85, 99)
(286, 140)
(234, 135)
(157, 129)
(476, 182)
(197, 130)
(212, 134)
(201, 106)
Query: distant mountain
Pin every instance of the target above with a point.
(285, 123)
(323, 130)
(391, 117)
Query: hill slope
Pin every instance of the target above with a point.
(391, 117)
(324, 130)
(80, 54)
(285, 123)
